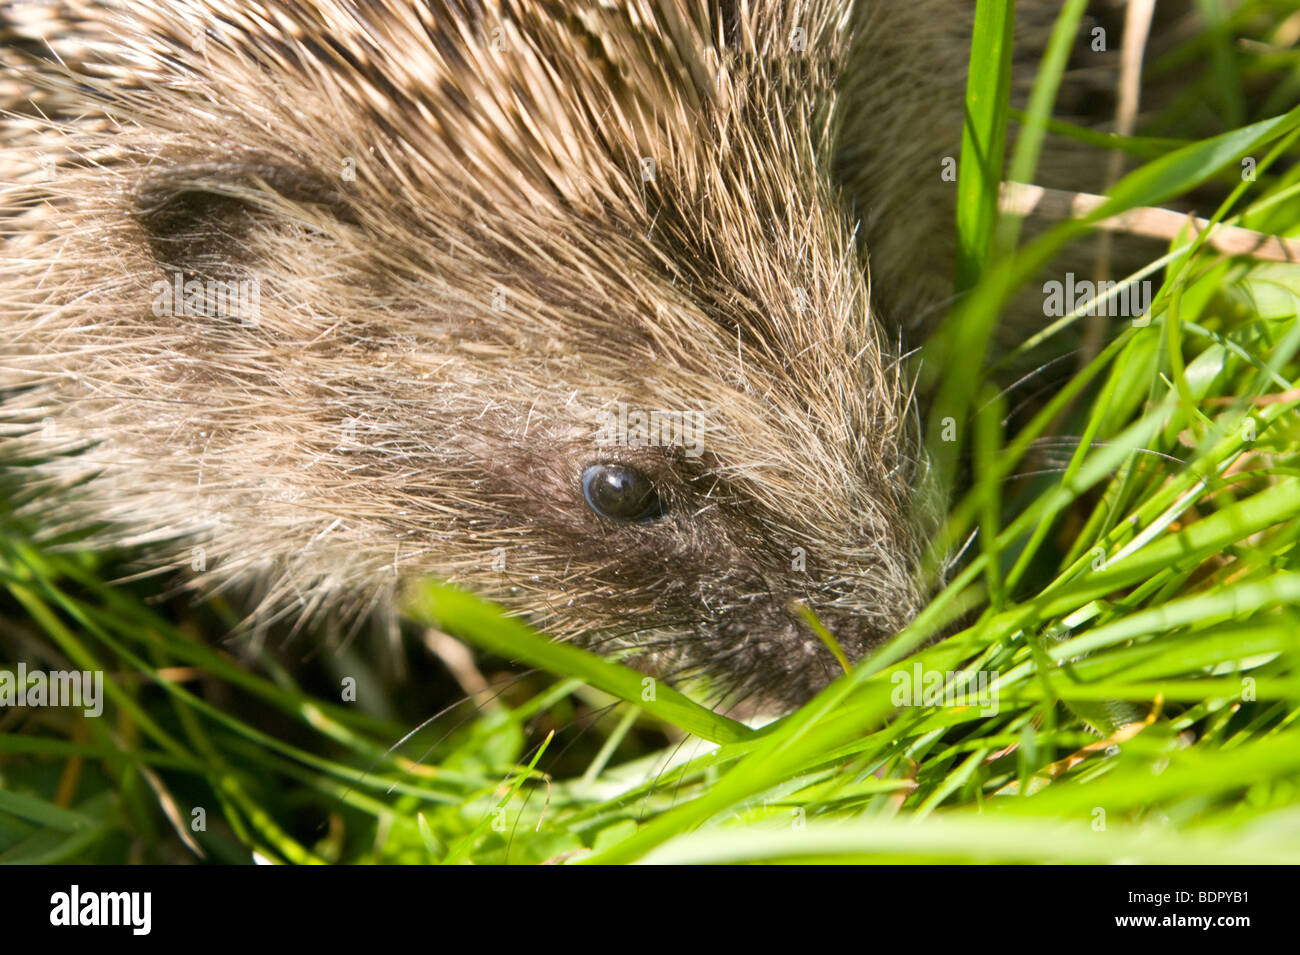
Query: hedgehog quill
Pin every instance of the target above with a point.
(571, 305)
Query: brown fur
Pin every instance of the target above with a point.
(439, 333)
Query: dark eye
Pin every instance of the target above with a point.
(620, 493)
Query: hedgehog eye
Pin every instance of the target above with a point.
(621, 493)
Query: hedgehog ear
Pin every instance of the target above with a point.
(198, 218)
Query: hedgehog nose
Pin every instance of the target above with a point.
(810, 621)
(846, 636)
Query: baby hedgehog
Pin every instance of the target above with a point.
(567, 303)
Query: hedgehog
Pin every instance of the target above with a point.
(585, 307)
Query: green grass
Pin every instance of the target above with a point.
(1137, 608)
